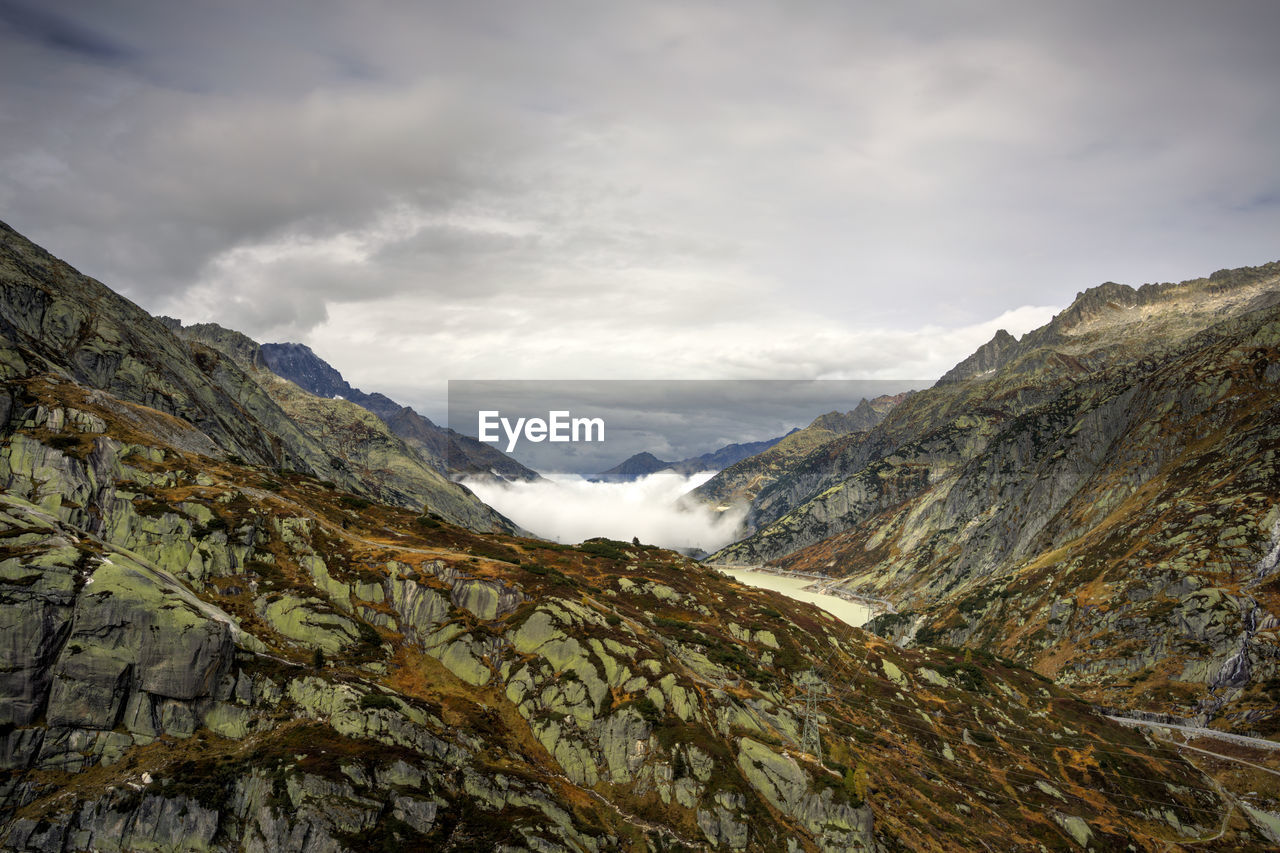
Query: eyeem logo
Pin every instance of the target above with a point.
(557, 427)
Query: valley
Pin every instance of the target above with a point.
(239, 615)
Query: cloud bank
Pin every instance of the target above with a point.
(569, 509)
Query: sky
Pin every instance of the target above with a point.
(425, 191)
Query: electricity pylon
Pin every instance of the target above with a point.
(815, 690)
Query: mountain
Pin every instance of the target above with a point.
(206, 648)
(449, 452)
(984, 362)
(57, 325)
(725, 456)
(1099, 500)
(863, 417)
(640, 465)
(386, 468)
(302, 367)
(742, 481)
(644, 463)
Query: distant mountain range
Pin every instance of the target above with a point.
(643, 464)
(863, 417)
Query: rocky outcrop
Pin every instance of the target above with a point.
(786, 787)
(105, 649)
(862, 417)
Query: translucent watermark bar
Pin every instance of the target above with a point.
(589, 427)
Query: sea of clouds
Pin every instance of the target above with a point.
(567, 508)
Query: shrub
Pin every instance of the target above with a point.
(647, 710)
(605, 548)
(63, 441)
(374, 701)
(369, 635)
(856, 783)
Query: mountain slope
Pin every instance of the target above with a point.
(232, 664)
(1105, 327)
(449, 452)
(1094, 500)
(743, 481)
(56, 322)
(383, 465)
(301, 366)
(53, 319)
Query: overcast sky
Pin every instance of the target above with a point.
(424, 191)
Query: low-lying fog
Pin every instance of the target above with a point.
(566, 508)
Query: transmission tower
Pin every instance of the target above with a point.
(815, 690)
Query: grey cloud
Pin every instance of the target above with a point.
(747, 190)
(64, 34)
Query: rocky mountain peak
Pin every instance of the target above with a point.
(862, 417)
(1171, 307)
(299, 364)
(988, 357)
(1096, 302)
(638, 465)
(241, 348)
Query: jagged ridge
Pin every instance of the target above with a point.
(1123, 453)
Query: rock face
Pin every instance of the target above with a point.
(1093, 500)
(54, 319)
(862, 417)
(301, 366)
(990, 356)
